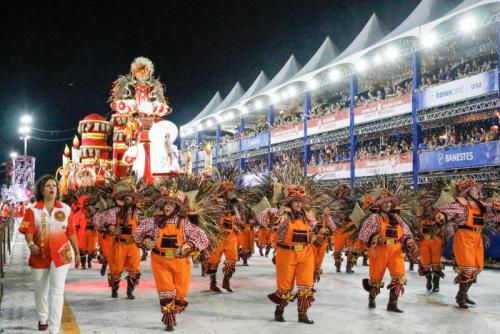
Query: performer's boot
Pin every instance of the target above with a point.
(246, 255)
(304, 319)
(392, 306)
(114, 283)
(260, 251)
(103, 268)
(168, 310)
(268, 250)
(372, 292)
(83, 261)
(412, 266)
(365, 260)
(371, 302)
(225, 281)
(428, 285)
(461, 296)
(467, 300)
(89, 261)
(278, 313)
(350, 262)
(132, 281)
(338, 261)
(213, 284)
(144, 255)
(435, 283)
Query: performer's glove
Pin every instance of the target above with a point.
(148, 243)
(184, 250)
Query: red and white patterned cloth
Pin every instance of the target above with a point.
(371, 226)
(105, 218)
(262, 218)
(149, 229)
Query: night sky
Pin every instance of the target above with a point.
(58, 59)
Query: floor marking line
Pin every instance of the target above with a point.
(68, 321)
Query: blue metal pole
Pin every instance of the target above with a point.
(270, 119)
(416, 66)
(498, 53)
(242, 160)
(217, 145)
(196, 157)
(353, 88)
(307, 114)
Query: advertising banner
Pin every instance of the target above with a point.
(390, 107)
(485, 154)
(287, 133)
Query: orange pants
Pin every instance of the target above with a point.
(294, 266)
(342, 240)
(468, 249)
(247, 240)
(384, 257)
(264, 237)
(171, 275)
(430, 252)
(87, 241)
(105, 244)
(124, 257)
(274, 239)
(319, 254)
(227, 246)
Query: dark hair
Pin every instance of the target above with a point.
(40, 185)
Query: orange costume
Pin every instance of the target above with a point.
(323, 230)
(86, 234)
(124, 254)
(266, 232)
(342, 242)
(247, 233)
(430, 246)
(468, 215)
(294, 258)
(387, 235)
(171, 240)
(228, 245)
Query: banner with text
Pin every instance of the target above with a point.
(287, 133)
(390, 107)
(486, 154)
(461, 89)
(328, 123)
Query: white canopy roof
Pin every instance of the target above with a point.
(232, 97)
(326, 53)
(288, 70)
(214, 103)
(260, 82)
(373, 31)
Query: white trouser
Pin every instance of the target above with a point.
(49, 294)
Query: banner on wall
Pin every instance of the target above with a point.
(390, 107)
(396, 164)
(287, 133)
(457, 90)
(229, 148)
(485, 154)
(252, 143)
(328, 123)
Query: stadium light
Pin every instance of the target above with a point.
(24, 130)
(429, 40)
(209, 123)
(334, 75)
(361, 65)
(229, 116)
(259, 104)
(377, 60)
(284, 95)
(200, 126)
(292, 91)
(244, 110)
(26, 119)
(391, 53)
(468, 24)
(275, 98)
(13, 155)
(313, 84)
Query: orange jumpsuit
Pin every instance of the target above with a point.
(247, 236)
(86, 234)
(294, 263)
(320, 251)
(342, 242)
(387, 255)
(430, 247)
(227, 246)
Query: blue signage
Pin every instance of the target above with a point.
(485, 154)
(252, 143)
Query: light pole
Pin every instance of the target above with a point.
(25, 130)
(13, 156)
